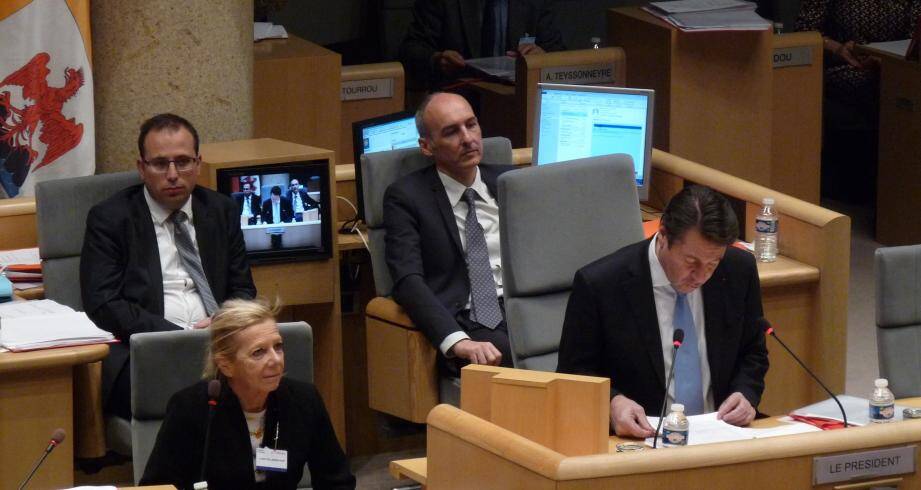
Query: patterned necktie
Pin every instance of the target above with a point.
(688, 384)
(484, 308)
(191, 262)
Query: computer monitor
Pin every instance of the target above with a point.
(294, 225)
(391, 132)
(580, 121)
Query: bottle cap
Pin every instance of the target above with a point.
(881, 383)
(768, 201)
(596, 40)
(677, 407)
(201, 485)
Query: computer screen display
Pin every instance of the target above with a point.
(391, 132)
(580, 121)
(284, 209)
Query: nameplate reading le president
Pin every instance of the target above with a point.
(578, 75)
(865, 464)
(375, 88)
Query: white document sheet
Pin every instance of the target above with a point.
(51, 330)
(706, 429)
(856, 408)
(18, 309)
(24, 256)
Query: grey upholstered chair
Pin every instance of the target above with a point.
(554, 219)
(898, 318)
(163, 363)
(378, 171)
(61, 209)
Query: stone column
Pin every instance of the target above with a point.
(194, 59)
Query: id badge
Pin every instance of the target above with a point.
(268, 459)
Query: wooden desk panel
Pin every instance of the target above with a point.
(37, 397)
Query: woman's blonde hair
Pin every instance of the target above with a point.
(234, 316)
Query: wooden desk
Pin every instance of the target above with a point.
(727, 465)
(36, 397)
(721, 101)
(898, 187)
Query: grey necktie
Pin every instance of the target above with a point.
(188, 256)
(484, 307)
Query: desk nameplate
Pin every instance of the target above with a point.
(579, 75)
(865, 464)
(795, 56)
(375, 88)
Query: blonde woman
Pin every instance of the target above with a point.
(260, 419)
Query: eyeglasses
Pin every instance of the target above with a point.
(182, 163)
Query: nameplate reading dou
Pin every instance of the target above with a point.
(578, 75)
(795, 56)
(862, 465)
(376, 88)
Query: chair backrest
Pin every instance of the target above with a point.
(898, 318)
(555, 219)
(163, 363)
(61, 209)
(379, 170)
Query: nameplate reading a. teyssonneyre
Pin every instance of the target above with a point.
(375, 88)
(578, 75)
(795, 56)
(862, 465)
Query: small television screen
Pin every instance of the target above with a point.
(581, 121)
(391, 132)
(284, 209)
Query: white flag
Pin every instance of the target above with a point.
(46, 93)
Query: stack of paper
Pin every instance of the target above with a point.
(707, 429)
(43, 324)
(22, 267)
(710, 15)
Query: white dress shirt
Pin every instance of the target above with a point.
(487, 213)
(296, 202)
(181, 303)
(247, 211)
(276, 211)
(665, 297)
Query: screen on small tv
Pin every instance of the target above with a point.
(284, 209)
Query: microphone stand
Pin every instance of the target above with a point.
(668, 381)
(770, 332)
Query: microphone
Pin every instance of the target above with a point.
(677, 339)
(56, 438)
(214, 392)
(765, 325)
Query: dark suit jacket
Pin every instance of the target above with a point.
(287, 214)
(309, 202)
(424, 252)
(440, 25)
(120, 278)
(611, 327)
(254, 207)
(304, 431)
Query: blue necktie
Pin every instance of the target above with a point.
(688, 385)
(484, 308)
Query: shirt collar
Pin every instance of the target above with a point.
(161, 214)
(455, 189)
(659, 279)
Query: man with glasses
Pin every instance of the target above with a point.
(162, 255)
(301, 202)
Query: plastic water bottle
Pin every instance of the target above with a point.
(596, 43)
(882, 403)
(676, 427)
(778, 28)
(766, 228)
